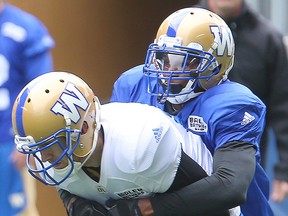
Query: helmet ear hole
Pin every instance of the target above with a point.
(84, 128)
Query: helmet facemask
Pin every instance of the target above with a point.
(178, 70)
(64, 141)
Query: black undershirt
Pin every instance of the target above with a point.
(233, 162)
(92, 172)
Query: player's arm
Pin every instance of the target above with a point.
(36, 55)
(77, 206)
(234, 167)
(188, 172)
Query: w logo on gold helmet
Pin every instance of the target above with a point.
(52, 111)
(192, 52)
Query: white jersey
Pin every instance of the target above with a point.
(141, 154)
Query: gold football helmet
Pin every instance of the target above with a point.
(193, 51)
(50, 111)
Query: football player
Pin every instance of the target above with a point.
(186, 74)
(103, 152)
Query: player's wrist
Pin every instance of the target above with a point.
(71, 202)
(145, 207)
(66, 197)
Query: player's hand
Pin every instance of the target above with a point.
(123, 207)
(280, 190)
(83, 207)
(77, 206)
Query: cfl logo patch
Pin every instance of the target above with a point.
(197, 124)
(101, 189)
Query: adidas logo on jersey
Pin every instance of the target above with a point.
(247, 118)
(157, 133)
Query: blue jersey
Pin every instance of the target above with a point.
(224, 113)
(24, 54)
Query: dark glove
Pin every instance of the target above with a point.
(83, 207)
(123, 208)
(76, 206)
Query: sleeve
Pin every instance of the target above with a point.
(188, 172)
(76, 206)
(65, 196)
(224, 189)
(38, 38)
(244, 122)
(37, 65)
(36, 55)
(277, 106)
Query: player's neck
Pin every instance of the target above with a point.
(95, 159)
(172, 109)
(177, 107)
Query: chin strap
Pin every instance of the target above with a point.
(184, 97)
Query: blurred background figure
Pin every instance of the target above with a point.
(286, 43)
(261, 64)
(24, 54)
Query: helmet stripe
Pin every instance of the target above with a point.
(171, 32)
(19, 113)
(175, 23)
